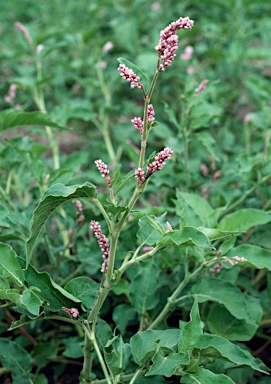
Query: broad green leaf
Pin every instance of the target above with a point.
(114, 208)
(143, 295)
(122, 315)
(84, 289)
(144, 344)
(219, 348)
(148, 233)
(53, 197)
(55, 296)
(244, 219)
(204, 376)
(185, 237)
(257, 257)
(166, 364)
(17, 360)
(201, 206)
(208, 142)
(4, 217)
(143, 78)
(191, 331)
(10, 266)
(11, 118)
(223, 293)
(222, 323)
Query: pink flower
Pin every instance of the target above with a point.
(139, 174)
(128, 75)
(109, 45)
(201, 87)
(150, 113)
(159, 162)
(187, 55)
(73, 311)
(169, 227)
(168, 43)
(103, 170)
(11, 94)
(138, 124)
(103, 243)
(24, 31)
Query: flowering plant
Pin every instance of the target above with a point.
(183, 260)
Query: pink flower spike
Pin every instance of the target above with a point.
(129, 75)
(169, 227)
(201, 87)
(103, 243)
(24, 31)
(138, 124)
(159, 162)
(73, 311)
(150, 113)
(103, 170)
(139, 174)
(168, 43)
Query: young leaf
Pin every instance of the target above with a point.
(84, 289)
(17, 360)
(205, 376)
(191, 331)
(244, 219)
(117, 354)
(53, 197)
(219, 348)
(201, 206)
(32, 301)
(184, 238)
(11, 118)
(10, 266)
(143, 343)
(148, 233)
(52, 293)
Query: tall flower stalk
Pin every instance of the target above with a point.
(166, 50)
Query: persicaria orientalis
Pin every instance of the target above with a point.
(103, 243)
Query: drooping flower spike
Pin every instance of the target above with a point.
(129, 75)
(103, 243)
(103, 170)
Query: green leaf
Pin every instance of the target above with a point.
(117, 354)
(257, 257)
(219, 348)
(32, 301)
(199, 205)
(242, 220)
(122, 315)
(145, 344)
(216, 234)
(148, 233)
(222, 323)
(53, 197)
(84, 289)
(143, 78)
(11, 118)
(224, 293)
(143, 295)
(52, 293)
(16, 360)
(185, 237)
(10, 266)
(191, 331)
(205, 376)
(166, 364)
(4, 217)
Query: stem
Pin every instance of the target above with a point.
(172, 299)
(138, 372)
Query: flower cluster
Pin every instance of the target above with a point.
(9, 98)
(215, 269)
(73, 311)
(129, 75)
(103, 170)
(201, 87)
(103, 243)
(137, 121)
(187, 54)
(168, 43)
(24, 31)
(79, 210)
(158, 163)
